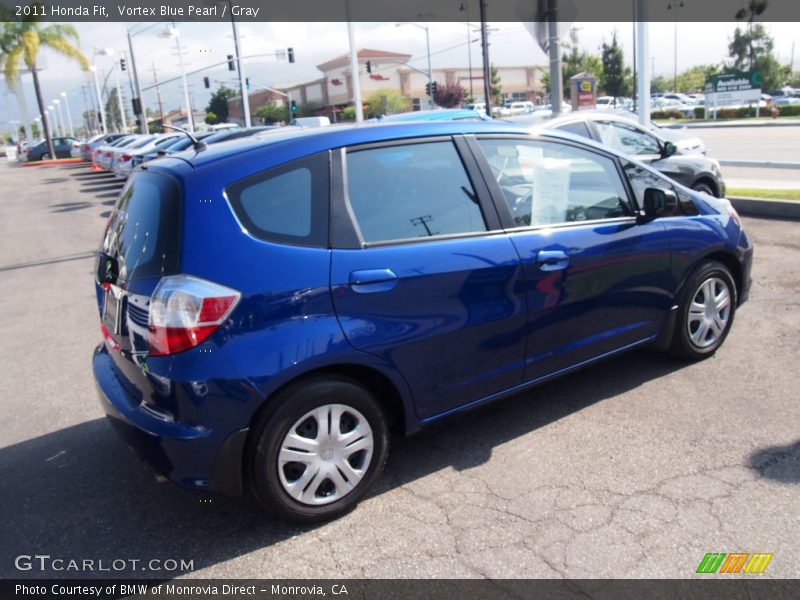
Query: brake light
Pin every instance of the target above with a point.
(86, 148)
(185, 311)
(125, 158)
(108, 154)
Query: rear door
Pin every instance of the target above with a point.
(596, 281)
(421, 273)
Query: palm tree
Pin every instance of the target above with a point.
(20, 41)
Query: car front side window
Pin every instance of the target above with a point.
(548, 183)
(627, 138)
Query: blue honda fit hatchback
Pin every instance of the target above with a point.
(271, 307)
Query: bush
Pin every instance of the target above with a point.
(792, 110)
(348, 113)
(666, 114)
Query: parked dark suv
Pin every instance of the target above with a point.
(272, 307)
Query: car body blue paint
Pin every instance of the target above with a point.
(451, 323)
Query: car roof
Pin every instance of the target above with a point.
(443, 114)
(317, 139)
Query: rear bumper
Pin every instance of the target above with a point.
(191, 456)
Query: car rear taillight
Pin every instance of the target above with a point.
(185, 311)
(125, 158)
(108, 154)
(86, 148)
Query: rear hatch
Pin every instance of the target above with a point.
(141, 245)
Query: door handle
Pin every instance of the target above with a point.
(372, 280)
(552, 260)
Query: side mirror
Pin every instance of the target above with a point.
(669, 149)
(658, 203)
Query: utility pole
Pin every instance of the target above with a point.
(487, 81)
(240, 68)
(158, 94)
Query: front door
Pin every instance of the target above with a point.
(596, 280)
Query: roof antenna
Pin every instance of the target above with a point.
(196, 144)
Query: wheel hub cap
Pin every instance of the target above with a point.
(709, 312)
(324, 455)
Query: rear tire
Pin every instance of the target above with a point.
(45, 156)
(320, 450)
(705, 313)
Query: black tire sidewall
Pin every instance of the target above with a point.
(290, 406)
(704, 188)
(682, 344)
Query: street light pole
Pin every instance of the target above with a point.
(430, 72)
(465, 7)
(61, 128)
(141, 112)
(69, 115)
(101, 110)
(120, 105)
(240, 68)
(354, 76)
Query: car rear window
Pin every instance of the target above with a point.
(143, 232)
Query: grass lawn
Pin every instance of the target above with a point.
(762, 193)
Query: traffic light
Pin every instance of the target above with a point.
(122, 65)
(430, 89)
(247, 82)
(290, 54)
(293, 106)
(231, 64)
(206, 82)
(369, 67)
(136, 104)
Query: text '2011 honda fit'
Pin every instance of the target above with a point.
(272, 307)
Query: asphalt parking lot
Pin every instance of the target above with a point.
(636, 467)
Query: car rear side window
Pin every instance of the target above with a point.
(143, 233)
(576, 127)
(411, 191)
(287, 204)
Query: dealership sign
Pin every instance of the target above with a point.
(733, 89)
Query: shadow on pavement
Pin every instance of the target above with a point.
(779, 463)
(79, 492)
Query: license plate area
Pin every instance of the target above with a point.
(113, 312)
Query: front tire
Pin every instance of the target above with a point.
(706, 312)
(320, 451)
(45, 156)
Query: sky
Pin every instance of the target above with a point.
(314, 43)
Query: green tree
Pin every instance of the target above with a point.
(751, 48)
(616, 77)
(660, 84)
(694, 79)
(20, 42)
(348, 113)
(495, 87)
(386, 102)
(113, 119)
(272, 113)
(449, 95)
(218, 104)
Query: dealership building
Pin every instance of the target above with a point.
(380, 69)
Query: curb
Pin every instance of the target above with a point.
(48, 163)
(722, 124)
(759, 164)
(775, 209)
